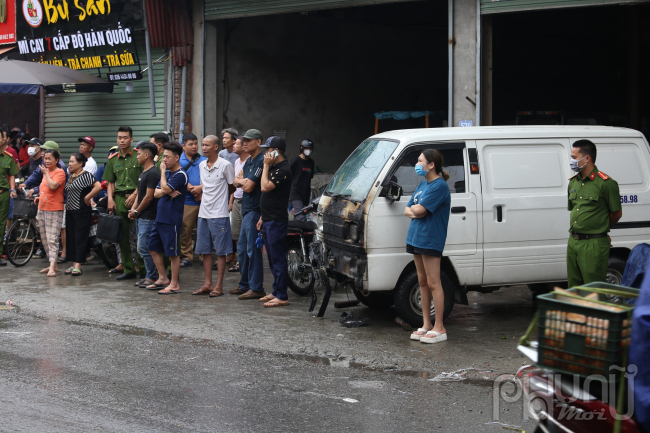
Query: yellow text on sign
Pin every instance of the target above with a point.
(61, 10)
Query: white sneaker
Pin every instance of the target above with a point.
(433, 337)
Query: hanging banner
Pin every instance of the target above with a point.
(7, 22)
(77, 22)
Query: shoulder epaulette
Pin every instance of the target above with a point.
(602, 175)
(573, 176)
(6, 152)
(113, 155)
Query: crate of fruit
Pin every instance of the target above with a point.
(584, 330)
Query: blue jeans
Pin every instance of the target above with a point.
(144, 229)
(250, 257)
(275, 241)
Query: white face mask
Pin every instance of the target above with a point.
(574, 164)
(307, 152)
(31, 151)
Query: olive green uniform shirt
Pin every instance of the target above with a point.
(159, 159)
(591, 200)
(7, 168)
(124, 171)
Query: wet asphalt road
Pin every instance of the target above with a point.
(92, 354)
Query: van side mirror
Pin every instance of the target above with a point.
(393, 192)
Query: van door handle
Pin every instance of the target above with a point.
(499, 214)
(458, 209)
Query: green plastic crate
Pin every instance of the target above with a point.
(581, 340)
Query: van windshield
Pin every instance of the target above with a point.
(357, 174)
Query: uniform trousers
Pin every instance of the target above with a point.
(4, 213)
(49, 224)
(129, 238)
(77, 233)
(587, 260)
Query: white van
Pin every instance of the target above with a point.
(509, 221)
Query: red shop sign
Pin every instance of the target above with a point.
(7, 22)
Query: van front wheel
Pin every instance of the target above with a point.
(408, 301)
(377, 300)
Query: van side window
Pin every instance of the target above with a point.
(406, 177)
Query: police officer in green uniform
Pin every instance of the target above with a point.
(595, 205)
(122, 172)
(8, 172)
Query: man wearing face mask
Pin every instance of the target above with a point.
(302, 170)
(595, 206)
(35, 157)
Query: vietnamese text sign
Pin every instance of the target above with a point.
(91, 62)
(7, 22)
(41, 19)
(79, 41)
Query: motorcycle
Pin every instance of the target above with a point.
(299, 235)
(578, 393)
(106, 251)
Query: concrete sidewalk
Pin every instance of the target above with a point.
(482, 335)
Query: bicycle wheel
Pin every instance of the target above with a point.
(21, 242)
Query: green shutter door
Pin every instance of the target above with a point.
(220, 9)
(70, 116)
(496, 6)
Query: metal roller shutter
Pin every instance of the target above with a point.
(220, 9)
(496, 6)
(70, 116)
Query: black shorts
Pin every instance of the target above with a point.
(423, 251)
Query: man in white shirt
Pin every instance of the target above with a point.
(86, 147)
(235, 201)
(213, 230)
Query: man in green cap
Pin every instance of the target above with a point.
(8, 172)
(595, 205)
(122, 173)
(250, 257)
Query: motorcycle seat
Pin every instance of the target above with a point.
(302, 225)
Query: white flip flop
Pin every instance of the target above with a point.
(416, 337)
(433, 337)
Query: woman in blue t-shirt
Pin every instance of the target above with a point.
(429, 212)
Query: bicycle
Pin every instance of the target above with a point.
(23, 237)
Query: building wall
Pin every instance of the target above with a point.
(324, 78)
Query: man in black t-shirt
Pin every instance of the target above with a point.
(145, 207)
(302, 170)
(276, 186)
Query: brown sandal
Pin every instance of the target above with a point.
(202, 292)
(215, 294)
(267, 298)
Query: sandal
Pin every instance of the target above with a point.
(76, 272)
(116, 271)
(51, 274)
(202, 291)
(419, 334)
(185, 263)
(168, 292)
(69, 270)
(62, 259)
(433, 337)
(215, 294)
(234, 268)
(267, 298)
(276, 303)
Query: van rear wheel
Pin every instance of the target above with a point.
(378, 300)
(408, 301)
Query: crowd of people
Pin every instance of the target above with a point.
(236, 193)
